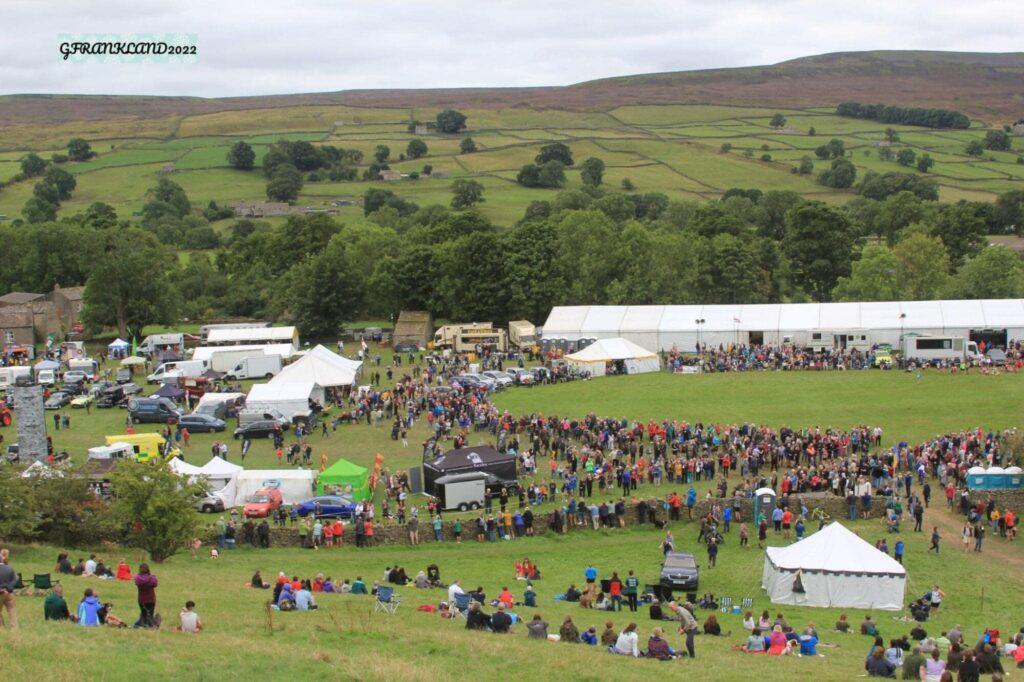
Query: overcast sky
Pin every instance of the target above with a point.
(256, 47)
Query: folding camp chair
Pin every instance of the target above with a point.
(460, 608)
(387, 600)
(41, 583)
(747, 602)
(726, 604)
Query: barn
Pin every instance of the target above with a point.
(846, 325)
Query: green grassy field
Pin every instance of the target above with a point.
(678, 147)
(346, 640)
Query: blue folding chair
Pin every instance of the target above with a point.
(460, 607)
(387, 600)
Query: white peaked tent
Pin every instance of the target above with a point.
(222, 476)
(183, 468)
(837, 569)
(322, 367)
(596, 357)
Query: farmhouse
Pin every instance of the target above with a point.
(803, 324)
(390, 175)
(263, 209)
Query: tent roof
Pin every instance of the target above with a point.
(183, 468)
(118, 343)
(47, 364)
(169, 391)
(322, 367)
(217, 468)
(251, 334)
(279, 474)
(343, 468)
(285, 350)
(468, 457)
(217, 398)
(603, 350)
(281, 390)
(834, 549)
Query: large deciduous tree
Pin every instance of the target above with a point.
(241, 156)
(466, 193)
(873, 277)
(592, 172)
(450, 121)
(819, 244)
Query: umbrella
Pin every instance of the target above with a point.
(133, 360)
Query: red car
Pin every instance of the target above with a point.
(263, 503)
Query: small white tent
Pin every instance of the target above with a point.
(631, 358)
(288, 398)
(222, 476)
(183, 468)
(837, 569)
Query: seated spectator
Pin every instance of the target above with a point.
(421, 581)
(868, 627)
(569, 632)
(63, 564)
(755, 642)
(711, 626)
(894, 654)
(808, 645)
(777, 641)
(257, 581)
(609, 636)
(590, 636)
(123, 571)
(529, 597)
(748, 621)
(89, 609)
(969, 667)
(304, 600)
(286, 601)
(572, 594)
(918, 633)
(780, 620)
(505, 597)
(318, 583)
(330, 587)
(842, 625)
(537, 628)
(478, 595)
(190, 622)
(656, 612)
(358, 586)
(102, 571)
(657, 646)
(476, 619)
(877, 666)
(988, 661)
(501, 622)
(601, 603)
(810, 630)
(627, 643)
(55, 608)
(79, 567)
(765, 621)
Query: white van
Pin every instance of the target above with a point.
(955, 348)
(10, 375)
(170, 372)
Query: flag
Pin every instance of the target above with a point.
(364, 346)
(135, 347)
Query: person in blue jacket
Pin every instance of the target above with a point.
(691, 500)
(89, 610)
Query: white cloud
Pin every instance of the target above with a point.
(250, 47)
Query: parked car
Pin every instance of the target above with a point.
(124, 375)
(209, 504)
(501, 378)
(406, 347)
(487, 381)
(83, 400)
(262, 503)
(520, 376)
(57, 400)
(679, 571)
(110, 396)
(201, 423)
(131, 389)
(996, 355)
(261, 428)
(330, 505)
(75, 376)
(153, 410)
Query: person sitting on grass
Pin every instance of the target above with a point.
(189, 620)
(777, 642)
(609, 636)
(590, 636)
(329, 586)
(572, 594)
(627, 643)
(358, 586)
(711, 626)
(501, 622)
(476, 619)
(55, 608)
(286, 602)
(124, 572)
(89, 610)
(878, 666)
(658, 647)
(842, 625)
(867, 626)
(569, 632)
(755, 642)
(656, 612)
(304, 600)
(537, 628)
(257, 581)
(530, 597)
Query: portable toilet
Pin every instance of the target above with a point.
(977, 479)
(765, 501)
(997, 479)
(1014, 477)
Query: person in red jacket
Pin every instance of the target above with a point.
(615, 592)
(123, 571)
(146, 584)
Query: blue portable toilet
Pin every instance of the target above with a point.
(765, 501)
(1014, 478)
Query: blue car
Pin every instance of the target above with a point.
(330, 505)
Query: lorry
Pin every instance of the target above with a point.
(9, 376)
(461, 491)
(469, 338)
(265, 366)
(929, 348)
(145, 446)
(839, 340)
(522, 334)
(170, 372)
(445, 336)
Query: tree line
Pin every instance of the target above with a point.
(911, 116)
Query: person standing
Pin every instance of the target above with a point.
(414, 531)
(935, 539)
(146, 583)
(615, 592)
(8, 581)
(979, 535)
(222, 527)
(632, 588)
(712, 552)
(687, 625)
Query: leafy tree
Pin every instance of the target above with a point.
(17, 517)
(778, 121)
(285, 184)
(891, 136)
(44, 191)
(79, 150)
(321, 293)
(1008, 213)
(32, 165)
(154, 505)
(924, 267)
(128, 286)
(100, 216)
(65, 509)
(555, 151)
(886, 153)
(241, 156)
(906, 157)
(812, 131)
(842, 174)
(997, 141)
(996, 272)
(63, 181)
(552, 174)
(961, 229)
(467, 146)
(726, 147)
(529, 176)
(770, 216)
(416, 148)
(39, 210)
(880, 185)
(466, 194)
(172, 194)
(873, 277)
(929, 118)
(375, 199)
(381, 153)
(806, 166)
(592, 172)
(925, 163)
(975, 148)
(450, 121)
(766, 157)
(628, 185)
(57, 157)
(897, 212)
(819, 244)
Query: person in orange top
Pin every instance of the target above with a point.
(519, 571)
(279, 453)
(318, 583)
(328, 532)
(369, 532)
(505, 597)
(123, 571)
(1010, 520)
(787, 519)
(339, 530)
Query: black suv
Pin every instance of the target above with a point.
(262, 428)
(679, 571)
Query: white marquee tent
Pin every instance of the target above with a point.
(596, 357)
(321, 366)
(288, 398)
(663, 326)
(837, 569)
